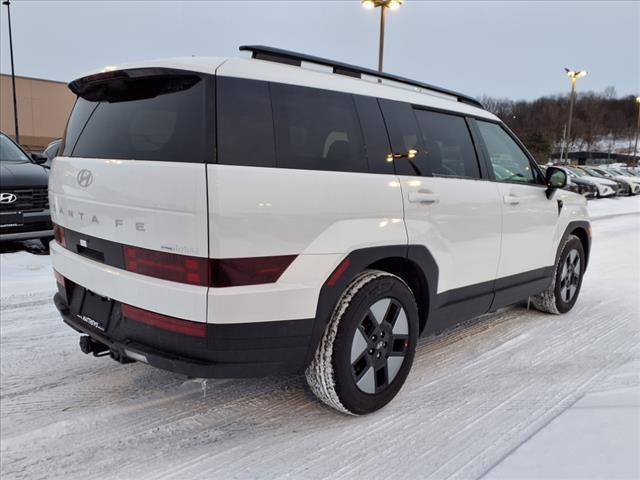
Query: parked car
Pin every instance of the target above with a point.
(52, 151)
(624, 176)
(624, 187)
(24, 203)
(605, 188)
(575, 184)
(320, 224)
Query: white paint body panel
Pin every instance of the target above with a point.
(462, 230)
(528, 224)
(179, 300)
(256, 212)
(156, 205)
(320, 216)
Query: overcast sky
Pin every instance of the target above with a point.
(513, 49)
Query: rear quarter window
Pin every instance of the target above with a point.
(316, 130)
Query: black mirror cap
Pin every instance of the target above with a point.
(39, 158)
(556, 177)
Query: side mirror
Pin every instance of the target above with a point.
(39, 158)
(556, 177)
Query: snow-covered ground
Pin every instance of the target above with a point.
(515, 394)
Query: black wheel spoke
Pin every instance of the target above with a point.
(399, 345)
(381, 376)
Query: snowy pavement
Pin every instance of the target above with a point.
(516, 394)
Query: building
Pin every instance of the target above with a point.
(43, 109)
(598, 158)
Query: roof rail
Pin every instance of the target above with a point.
(272, 54)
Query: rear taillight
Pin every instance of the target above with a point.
(164, 322)
(168, 266)
(59, 278)
(58, 233)
(234, 272)
(205, 272)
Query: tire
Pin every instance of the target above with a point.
(561, 295)
(45, 241)
(368, 347)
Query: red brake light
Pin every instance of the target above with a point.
(168, 266)
(164, 322)
(234, 272)
(58, 234)
(59, 278)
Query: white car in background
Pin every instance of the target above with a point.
(623, 176)
(606, 188)
(625, 187)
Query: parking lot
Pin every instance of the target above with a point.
(475, 398)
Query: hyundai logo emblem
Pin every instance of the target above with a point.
(85, 177)
(7, 198)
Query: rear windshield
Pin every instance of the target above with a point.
(160, 117)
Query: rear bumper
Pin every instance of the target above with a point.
(228, 351)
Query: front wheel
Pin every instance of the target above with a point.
(368, 347)
(561, 295)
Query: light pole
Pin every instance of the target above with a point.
(635, 144)
(383, 5)
(574, 75)
(13, 73)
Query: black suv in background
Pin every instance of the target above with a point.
(24, 201)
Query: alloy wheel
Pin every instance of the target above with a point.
(570, 276)
(379, 346)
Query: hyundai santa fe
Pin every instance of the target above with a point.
(279, 213)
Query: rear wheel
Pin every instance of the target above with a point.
(561, 295)
(368, 347)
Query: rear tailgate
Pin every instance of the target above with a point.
(132, 173)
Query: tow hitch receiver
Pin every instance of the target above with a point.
(89, 345)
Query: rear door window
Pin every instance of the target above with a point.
(316, 130)
(448, 149)
(163, 118)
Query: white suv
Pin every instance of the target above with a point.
(281, 213)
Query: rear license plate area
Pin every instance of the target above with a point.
(96, 310)
(11, 219)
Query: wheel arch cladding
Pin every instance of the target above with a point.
(414, 277)
(582, 233)
(582, 230)
(412, 263)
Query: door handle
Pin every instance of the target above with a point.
(511, 199)
(424, 196)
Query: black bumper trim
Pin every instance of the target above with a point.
(270, 358)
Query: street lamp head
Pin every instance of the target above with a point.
(637, 99)
(6, 2)
(390, 4)
(573, 74)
